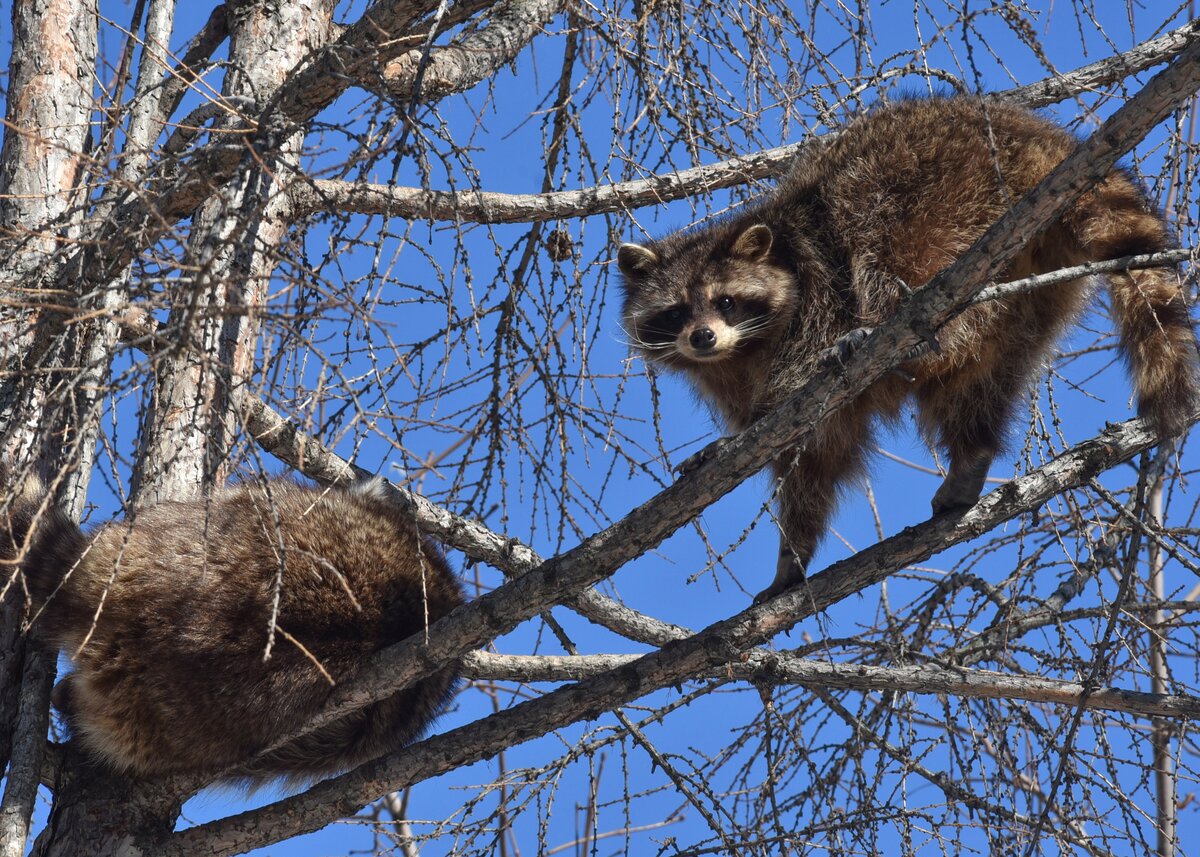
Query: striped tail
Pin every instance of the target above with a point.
(1156, 331)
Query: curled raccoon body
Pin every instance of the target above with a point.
(167, 617)
(747, 306)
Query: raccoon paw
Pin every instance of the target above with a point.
(789, 571)
(846, 345)
(776, 588)
(694, 460)
(63, 697)
(956, 494)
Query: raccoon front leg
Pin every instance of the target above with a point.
(842, 350)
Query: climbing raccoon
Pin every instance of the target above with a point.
(747, 306)
(203, 631)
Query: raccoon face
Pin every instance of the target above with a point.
(694, 305)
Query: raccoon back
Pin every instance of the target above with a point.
(215, 626)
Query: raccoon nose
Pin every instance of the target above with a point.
(702, 338)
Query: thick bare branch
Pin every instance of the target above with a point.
(473, 57)
(774, 667)
(490, 207)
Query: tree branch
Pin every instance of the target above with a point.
(462, 64)
(478, 206)
(197, 53)
(1106, 71)
(1163, 259)
(719, 645)
(29, 740)
(761, 666)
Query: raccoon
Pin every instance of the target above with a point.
(748, 306)
(203, 631)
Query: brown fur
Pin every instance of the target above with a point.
(167, 617)
(889, 202)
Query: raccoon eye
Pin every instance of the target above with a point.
(664, 326)
(724, 303)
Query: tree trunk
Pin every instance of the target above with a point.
(190, 429)
(41, 165)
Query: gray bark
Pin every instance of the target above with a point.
(188, 433)
(474, 58)
(41, 169)
(762, 665)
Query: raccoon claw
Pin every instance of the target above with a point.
(789, 571)
(777, 588)
(928, 337)
(846, 345)
(956, 494)
(694, 460)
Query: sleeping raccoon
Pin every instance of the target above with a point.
(167, 618)
(746, 307)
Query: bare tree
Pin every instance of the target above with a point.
(347, 238)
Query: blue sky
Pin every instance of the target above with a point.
(679, 581)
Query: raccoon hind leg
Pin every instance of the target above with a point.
(968, 415)
(808, 488)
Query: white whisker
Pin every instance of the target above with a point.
(634, 342)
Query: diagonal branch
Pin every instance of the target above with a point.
(717, 646)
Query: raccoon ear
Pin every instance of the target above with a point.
(753, 244)
(635, 259)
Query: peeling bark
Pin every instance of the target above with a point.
(190, 430)
(49, 101)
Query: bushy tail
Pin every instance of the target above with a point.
(1156, 331)
(39, 545)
